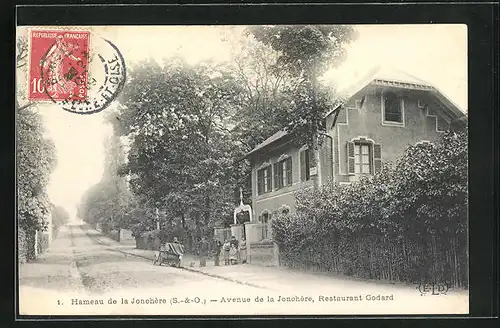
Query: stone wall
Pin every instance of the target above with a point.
(263, 254)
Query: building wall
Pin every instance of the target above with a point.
(275, 199)
(366, 121)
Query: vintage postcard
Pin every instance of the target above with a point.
(242, 170)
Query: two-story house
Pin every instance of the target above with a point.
(378, 118)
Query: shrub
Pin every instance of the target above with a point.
(408, 222)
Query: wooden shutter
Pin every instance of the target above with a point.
(302, 166)
(276, 176)
(269, 178)
(377, 157)
(289, 171)
(260, 183)
(350, 157)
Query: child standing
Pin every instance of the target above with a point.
(233, 254)
(225, 249)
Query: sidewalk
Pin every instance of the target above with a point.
(378, 296)
(269, 278)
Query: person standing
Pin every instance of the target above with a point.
(217, 250)
(243, 250)
(203, 249)
(225, 249)
(233, 254)
(234, 243)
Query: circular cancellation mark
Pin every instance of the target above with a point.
(82, 81)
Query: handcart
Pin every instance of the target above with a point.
(170, 254)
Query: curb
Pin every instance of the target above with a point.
(182, 268)
(201, 272)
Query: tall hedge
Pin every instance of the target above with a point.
(407, 223)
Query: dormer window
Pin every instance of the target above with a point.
(393, 110)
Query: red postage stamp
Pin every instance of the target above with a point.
(58, 65)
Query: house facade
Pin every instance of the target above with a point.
(379, 117)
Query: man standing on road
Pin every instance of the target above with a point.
(203, 252)
(217, 251)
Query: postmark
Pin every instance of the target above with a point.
(80, 78)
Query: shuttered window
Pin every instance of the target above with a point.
(305, 165)
(363, 157)
(264, 180)
(283, 173)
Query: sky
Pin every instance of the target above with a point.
(434, 53)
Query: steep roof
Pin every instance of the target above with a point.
(384, 76)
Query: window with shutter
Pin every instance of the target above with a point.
(277, 177)
(269, 179)
(283, 173)
(264, 180)
(260, 182)
(364, 157)
(350, 158)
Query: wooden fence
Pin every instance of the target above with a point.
(407, 259)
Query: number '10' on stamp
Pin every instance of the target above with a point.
(58, 65)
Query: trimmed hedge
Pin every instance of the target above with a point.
(407, 223)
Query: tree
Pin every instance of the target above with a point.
(109, 202)
(305, 51)
(35, 162)
(59, 217)
(255, 67)
(178, 120)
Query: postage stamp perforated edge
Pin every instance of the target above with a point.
(59, 29)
